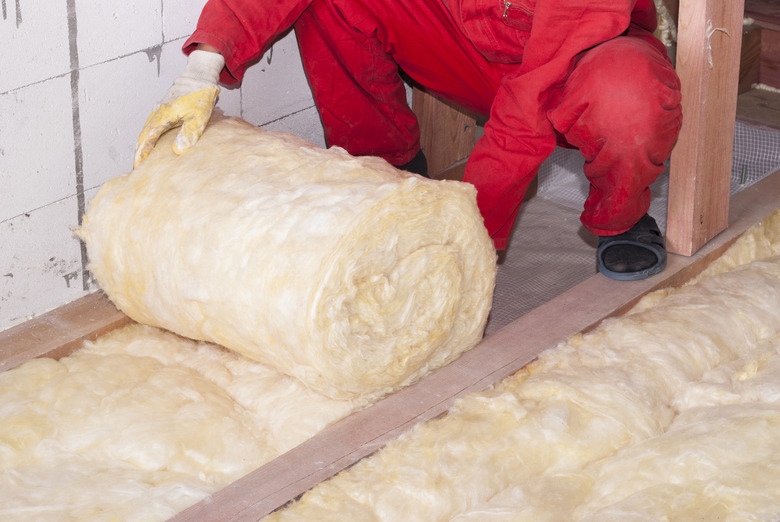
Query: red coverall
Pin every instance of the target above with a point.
(580, 73)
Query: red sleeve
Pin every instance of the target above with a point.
(243, 30)
(518, 136)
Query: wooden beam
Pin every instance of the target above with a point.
(769, 66)
(59, 332)
(766, 13)
(708, 51)
(759, 108)
(750, 57)
(447, 132)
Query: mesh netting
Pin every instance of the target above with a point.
(551, 252)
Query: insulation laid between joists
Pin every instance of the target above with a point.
(346, 273)
(134, 424)
(670, 412)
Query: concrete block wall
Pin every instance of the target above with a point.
(78, 79)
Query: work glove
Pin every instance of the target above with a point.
(189, 103)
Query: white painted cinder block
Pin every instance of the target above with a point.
(34, 43)
(42, 270)
(115, 99)
(180, 18)
(304, 124)
(276, 86)
(128, 55)
(108, 30)
(230, 102)
(37, 163)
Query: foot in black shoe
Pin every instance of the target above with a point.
(636, 254)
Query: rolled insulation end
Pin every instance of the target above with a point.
(344, 272)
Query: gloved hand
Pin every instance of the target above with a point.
(189, 103)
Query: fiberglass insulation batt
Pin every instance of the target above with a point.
(343, 272)
(670, 412)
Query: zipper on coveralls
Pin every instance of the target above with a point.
(509, 5)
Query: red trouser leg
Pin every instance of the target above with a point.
(352, 50)
(621, 107)
(356, 87)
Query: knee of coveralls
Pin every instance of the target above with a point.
(352, 50)
(356, 87)
(621, 108)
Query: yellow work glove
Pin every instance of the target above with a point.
(189, 103)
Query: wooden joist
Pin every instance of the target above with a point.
(59, 332)
(709, 40)
(765, 15)
(447, 133)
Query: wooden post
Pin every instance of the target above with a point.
(708, 51)
(447, 133)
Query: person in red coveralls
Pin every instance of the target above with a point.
(577, 73)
